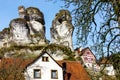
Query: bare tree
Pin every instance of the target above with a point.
(97, 24)
(97, 21)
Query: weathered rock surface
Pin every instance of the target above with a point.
(35, 21)
(37, 32)
(19, 31)
(27, 29)
(26, 34)
(62, 29)
(22, 12)
(4, 37)
(35, 14)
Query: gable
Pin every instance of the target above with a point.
(88, 52)
(88, 56)
(39, 61)
(44, 64)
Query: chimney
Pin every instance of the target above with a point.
(64, 69)
(80, 48)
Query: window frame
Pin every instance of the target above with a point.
(45, 58)
(39, 73)
(56, 72)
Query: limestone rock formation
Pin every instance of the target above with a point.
(62, 29)
(19, 31)
(4, 37)
(35, 14)
(36, 24)
(26, 34)
(22, 12)
(27, 29)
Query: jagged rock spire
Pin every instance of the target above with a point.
(35, 15)
(36, 24)
(22, 12)
(62, 29)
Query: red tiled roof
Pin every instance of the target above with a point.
(75, 70)
(16, 62)
(11, 69)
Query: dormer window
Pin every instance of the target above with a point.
(45, 59)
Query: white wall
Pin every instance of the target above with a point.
(110, 70)
(87, 63)
(45, 67)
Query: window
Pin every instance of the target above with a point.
(54, 74)
(45, 59)
(107, 65)
(88, 52)
(92, 59)
(37, 73)
(85, 58)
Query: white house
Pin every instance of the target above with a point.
(43, 68)
(107, 66)
(110, 70)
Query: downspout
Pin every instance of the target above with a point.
(64, 70)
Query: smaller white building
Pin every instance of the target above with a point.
(107, 66)
(44, 68)
(110, 69)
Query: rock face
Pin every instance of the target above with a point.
(36, 24)
(29, 28)
(19, 31)
(62, 29)
(34, 14)
(22, 12)
(4, 37)
(26, 34)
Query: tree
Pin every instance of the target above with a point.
(97, 21)
(12, 69)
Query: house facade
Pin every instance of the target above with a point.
(44, 68)
(110, 70)
(107, 66)
(88, 58)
